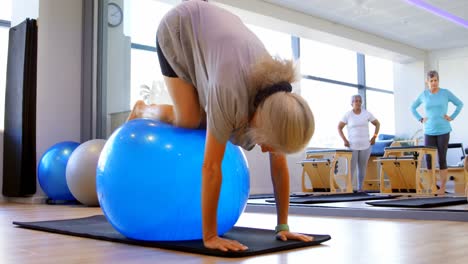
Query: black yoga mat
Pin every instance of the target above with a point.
(261, 196)
(259, 241)
(335, 198)
(270, 195)
(421, 202)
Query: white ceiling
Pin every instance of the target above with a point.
(396, 20)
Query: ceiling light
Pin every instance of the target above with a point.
(439, 12)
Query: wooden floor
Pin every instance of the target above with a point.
(353, 241)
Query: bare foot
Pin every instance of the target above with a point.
(441, 191)
(137, 110)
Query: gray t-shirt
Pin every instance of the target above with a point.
(212, 49)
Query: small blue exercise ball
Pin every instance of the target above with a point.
(52, 168)
(148, 182)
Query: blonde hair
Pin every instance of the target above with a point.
(284, 120)
(271, 70)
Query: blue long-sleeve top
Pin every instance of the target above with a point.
(435, 108)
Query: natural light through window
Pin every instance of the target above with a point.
(328, 102)
(145, 72)
(277, 43)
(5, 10)
(3, 66)
(382, 106)
(379, 73)
(145, 18)
(5, 15)
(326, 61)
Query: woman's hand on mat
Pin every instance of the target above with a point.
(286, 235)
(223, 244)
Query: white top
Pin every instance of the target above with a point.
(358, 129)
(212, 49)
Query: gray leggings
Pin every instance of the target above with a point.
(359, 161)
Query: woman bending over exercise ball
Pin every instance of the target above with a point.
(436, 121)
(357, 121)
(219, 73)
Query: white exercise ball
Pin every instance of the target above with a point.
(81, 171)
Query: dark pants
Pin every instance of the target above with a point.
(166, 68)
(441, 143)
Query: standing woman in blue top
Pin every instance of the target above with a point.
(437, 122)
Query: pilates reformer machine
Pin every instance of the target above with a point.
(401, 170)
(457, 172)
(320, 168)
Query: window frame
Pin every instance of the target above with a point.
(5, 23)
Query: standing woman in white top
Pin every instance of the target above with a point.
(358, 140)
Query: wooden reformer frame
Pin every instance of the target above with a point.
(320, 167)
(401, 171)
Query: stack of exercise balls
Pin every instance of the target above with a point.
(67, 171)
(147, 178)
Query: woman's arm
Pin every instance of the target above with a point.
(414, 107)
(280, 180)
(341, 125)
(376, 123)
(211, 186)
(458, 105)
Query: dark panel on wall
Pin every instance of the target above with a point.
(19, 156)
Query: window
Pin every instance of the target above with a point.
(145, 71)
(379, 73)
(381, 105)
(326, 61)
(277, 43)
(5, 11)
(145, 18)
(5, 17)
(328, 102)
(3, 66)
(330, 78)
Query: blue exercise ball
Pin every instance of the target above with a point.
(148, 182)
(51, 171)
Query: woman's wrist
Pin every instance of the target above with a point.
(281, 227)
